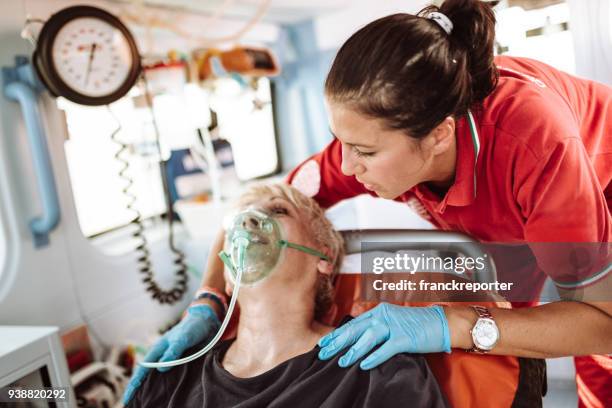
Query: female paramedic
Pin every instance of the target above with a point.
(503, 149)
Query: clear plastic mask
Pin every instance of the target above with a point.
(262, 252)
(255, 243)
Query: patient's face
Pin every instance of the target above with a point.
(293, 264)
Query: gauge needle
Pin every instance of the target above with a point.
(91, 57)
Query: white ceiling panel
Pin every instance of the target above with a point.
(280, 11)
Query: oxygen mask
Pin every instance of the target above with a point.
(255, 245)
(251, 246)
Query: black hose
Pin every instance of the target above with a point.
(145, 265)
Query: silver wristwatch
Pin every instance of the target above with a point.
(485, 333)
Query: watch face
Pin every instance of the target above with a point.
(91, 56)
(485, 334)
(87, 55)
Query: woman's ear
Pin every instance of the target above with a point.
(444, 135)
(325, 267)
(440, 138)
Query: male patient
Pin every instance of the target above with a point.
(273, 360)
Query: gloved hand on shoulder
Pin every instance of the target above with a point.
(400, 329)
(199, 323)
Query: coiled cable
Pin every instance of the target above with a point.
(145, 265)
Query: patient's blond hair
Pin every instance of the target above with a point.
(323, 233)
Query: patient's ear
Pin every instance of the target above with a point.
(325, 267)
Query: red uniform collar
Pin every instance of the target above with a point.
(463, 190)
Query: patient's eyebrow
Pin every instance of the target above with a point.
(351, 144)
(287, 202)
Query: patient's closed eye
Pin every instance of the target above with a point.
(279, 209)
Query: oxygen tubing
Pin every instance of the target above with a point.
(242, 243)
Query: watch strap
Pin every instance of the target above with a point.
(483, 312)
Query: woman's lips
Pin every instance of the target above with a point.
(370, 187)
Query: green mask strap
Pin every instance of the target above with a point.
(310, 251)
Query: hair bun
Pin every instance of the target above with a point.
(474, 31)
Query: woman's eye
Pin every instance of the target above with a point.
(359, 153)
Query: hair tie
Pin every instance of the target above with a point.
(442, 21)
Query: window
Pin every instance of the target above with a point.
(94, 170)
(244, 118)
(542, 33)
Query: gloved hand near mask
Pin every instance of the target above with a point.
(400, 329)
(199, 323)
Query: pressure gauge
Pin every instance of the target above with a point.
(87, 55)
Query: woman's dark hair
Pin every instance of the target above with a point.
(407, 71)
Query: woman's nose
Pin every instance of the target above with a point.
(349, 167)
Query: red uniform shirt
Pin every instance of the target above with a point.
(535, 167)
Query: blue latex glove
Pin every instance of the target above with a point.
(198, 324)
(400, 329)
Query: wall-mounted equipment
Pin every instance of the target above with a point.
(251, 61)
(87, 55)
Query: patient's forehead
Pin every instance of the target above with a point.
(263, 199)
(272, 198)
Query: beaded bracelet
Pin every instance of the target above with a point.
(213, 294)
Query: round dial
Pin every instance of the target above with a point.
(92, 56)
(485, 334)
(87, 55)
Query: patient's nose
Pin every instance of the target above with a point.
(250, 222)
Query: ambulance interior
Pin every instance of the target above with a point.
(189, 136)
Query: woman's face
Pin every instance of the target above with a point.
(385, 161)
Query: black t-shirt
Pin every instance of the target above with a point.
(302, 381)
